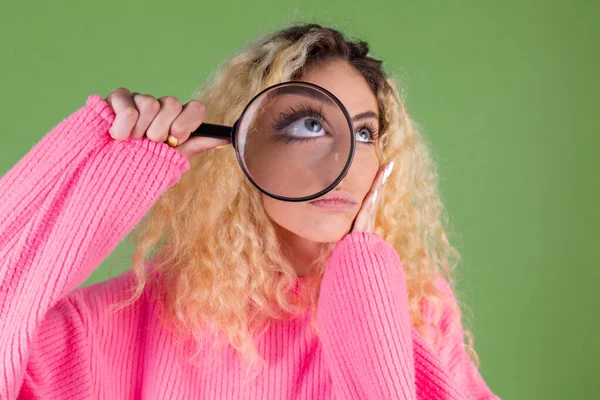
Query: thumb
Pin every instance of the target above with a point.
(197, 145)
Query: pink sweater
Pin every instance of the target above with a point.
(68, 203)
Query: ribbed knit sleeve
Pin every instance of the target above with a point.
(371, 350)
(450, 371)
(63, 208)
(363, 321)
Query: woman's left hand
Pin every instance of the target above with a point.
(365, 219)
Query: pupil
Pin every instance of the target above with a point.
(312, 125)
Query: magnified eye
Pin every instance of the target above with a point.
(306, 127)
(301, 124)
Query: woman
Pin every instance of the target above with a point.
(232, 294)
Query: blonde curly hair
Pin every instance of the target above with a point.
(215, 259)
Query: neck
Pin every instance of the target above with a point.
(299, 252)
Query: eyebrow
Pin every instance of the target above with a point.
(304, 91)
(310, 93)
(365, 115)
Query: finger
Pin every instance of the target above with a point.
(387, 172)
(362, 218)
(191, 117)
(375, 186)
(197, 145)
(378, 180)
(373, 211)
(126, 113)
(365, 219)
(148, 108)
(360, 222)
(170, 107)
(370, 222)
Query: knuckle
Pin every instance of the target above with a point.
(177, 128)
(171, 103)
(119, 92)
(130, 113)
(149, 103)
(197, 107)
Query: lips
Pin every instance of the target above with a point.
(335, 200)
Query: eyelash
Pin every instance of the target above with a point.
(292, 115)
(372, 131)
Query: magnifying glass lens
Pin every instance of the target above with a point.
(294, 140)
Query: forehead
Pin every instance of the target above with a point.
(346, 83)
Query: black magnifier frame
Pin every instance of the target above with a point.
(230, 132)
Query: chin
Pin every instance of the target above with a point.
(324, 229)
(325, 236)
(306, 222)
(321, 230)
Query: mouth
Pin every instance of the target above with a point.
(336, 200)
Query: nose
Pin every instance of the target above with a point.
(348, 178)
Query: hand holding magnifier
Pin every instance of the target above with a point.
(294, 141)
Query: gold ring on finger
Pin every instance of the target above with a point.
(172, 141)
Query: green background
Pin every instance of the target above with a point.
(506, 91)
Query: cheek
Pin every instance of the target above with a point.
(363, 171)
(283, 213)
(294, 217)
(302, 220)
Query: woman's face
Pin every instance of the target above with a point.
(330, 217)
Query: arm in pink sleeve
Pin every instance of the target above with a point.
(370, 347)
(452, 361)
(363, 321)
(63, 208)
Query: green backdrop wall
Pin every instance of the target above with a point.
(505, 90)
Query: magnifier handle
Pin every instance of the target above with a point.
(213, 130)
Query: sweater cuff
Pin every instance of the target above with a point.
(367, 244)
(99, 107)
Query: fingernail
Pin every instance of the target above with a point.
(387, 172)
(374, 198)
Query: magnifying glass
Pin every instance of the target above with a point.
(294, 141)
